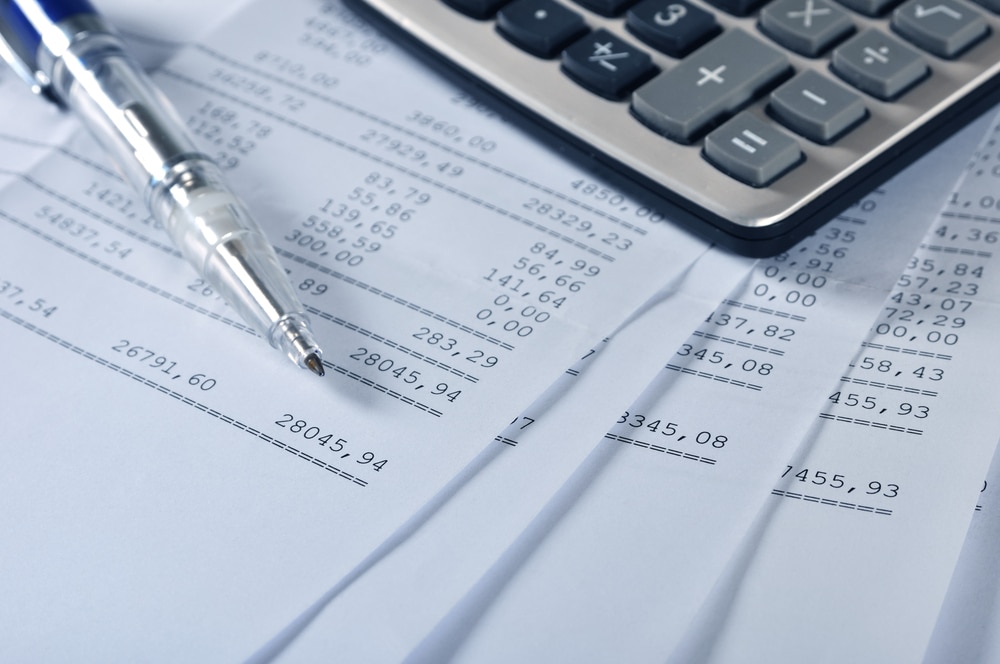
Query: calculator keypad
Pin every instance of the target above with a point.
(668, 89)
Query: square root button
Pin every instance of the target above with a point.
(751, 150)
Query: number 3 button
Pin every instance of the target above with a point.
(676, 27)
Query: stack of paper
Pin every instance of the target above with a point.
(554, 426)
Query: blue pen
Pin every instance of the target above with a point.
(65, 51)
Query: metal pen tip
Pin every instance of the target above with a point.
(314, 364)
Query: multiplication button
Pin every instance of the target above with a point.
(808, 27)
(942, 27)
(751, 150)
(878, 64)
(815, 107)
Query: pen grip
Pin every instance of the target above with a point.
(28, 20)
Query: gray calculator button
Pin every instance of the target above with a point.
(878, 64)
(808, 27)
(814, 106)
(942, 27)
(715, 81)
(751, 150)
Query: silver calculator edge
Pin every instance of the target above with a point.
(751, 221)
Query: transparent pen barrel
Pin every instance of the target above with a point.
(214, 231)
(122, 108)
(183, 188)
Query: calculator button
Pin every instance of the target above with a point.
(480, 9)
(869, 7)
(942, 27)
(808, 27)
(540, 27)
(716, 80)
(878, 64)
(816, 107)
(752, 151)
(603, 63)
(675, 27)
(737, 7)
(605, 7)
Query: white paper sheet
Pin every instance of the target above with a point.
(615, 566)
(177, 490)
(852, 558)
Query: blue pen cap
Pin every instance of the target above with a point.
(49, 12)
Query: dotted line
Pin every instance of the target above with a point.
(906, 351)
(852, 220)
(741, 344)
(970, 217)
(715, 377)
(383, 389)
(392, 344)
(390, 297)
(125, 230)
(888, 386)
(765, 310)
(956, 250)
(660, 448)
(126, 277)
(870, 423)
(180, 397)
(832, 503)
(447, 148)
(390, 164)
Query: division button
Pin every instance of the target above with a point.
(942, 27)
(878, 64)
(808, 27)
(751, 150)
(607, 65)
(713, 82)
(540, 27)
(816, 107)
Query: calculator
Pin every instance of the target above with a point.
(752, 121)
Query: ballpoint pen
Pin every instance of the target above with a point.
(65, 51)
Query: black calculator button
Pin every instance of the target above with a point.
(870, 7)
(480, 9)
(709, 85)
(606, 7)
(808, 27)
(737, 7)
(675, 27)
(606, 65)
(540, 27)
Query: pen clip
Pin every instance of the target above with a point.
(13, 54)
